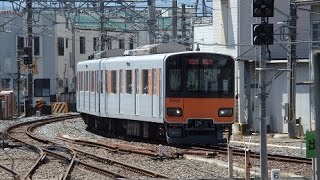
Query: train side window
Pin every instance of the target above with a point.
(136, 79)
(113, 81)
(145, 81)
(154, 81)
(92, 81)
(106, 81)
(101, 80)
(129, 81)
(121, 81)
(87, 81)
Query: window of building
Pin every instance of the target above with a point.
(67, 43)
(129, 81)
(109, 43)
(114, 81)
(316, 33)
(20, 42)
(121, 43)
(36, 45)
(82, 45)
(60, 46)
(5, 84)
(131, 43)
(145, 80)
(95, 44)
(42, 88)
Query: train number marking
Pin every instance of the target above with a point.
(174, 100)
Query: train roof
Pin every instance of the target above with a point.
(136, 58)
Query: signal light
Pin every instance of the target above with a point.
(262, 34)
(262, 8)
(27, 51)
(27, 60)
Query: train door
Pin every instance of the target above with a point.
(136, 85)
(120, 90)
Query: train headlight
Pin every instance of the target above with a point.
(174, 112)
(225, 112)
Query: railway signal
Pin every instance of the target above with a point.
(27, 59)
(262, 8)
(262, 34)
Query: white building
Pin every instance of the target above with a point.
(231, 33)
(53, 64)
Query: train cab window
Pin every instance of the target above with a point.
(129, 81)
(174, 75)
(145, 81)
(113, 81)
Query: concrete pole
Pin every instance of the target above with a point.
(263, 112)
(102, 24)
(316, 69)
(183, 21)
(151, 21)
(18, 83)
(291, 74)
(174, 20)
(29, 105)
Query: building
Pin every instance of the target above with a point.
(53, 64)
(60, 41)
(231, 33)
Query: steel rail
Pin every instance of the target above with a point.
(15, 174)
(94, 168)
(123, 165)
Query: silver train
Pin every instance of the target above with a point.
(185, 98)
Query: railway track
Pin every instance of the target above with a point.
(23, 133)
(241, 152)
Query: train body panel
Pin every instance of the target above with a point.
(186, 97)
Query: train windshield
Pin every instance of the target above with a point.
(200, 75)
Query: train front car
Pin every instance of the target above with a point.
(199, 97)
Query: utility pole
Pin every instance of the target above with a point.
(316, 96)
(102, 22)
(151, 21)
(29, 102)
(174, 19)
(183, 22)
(263, 112)
(18, 82)
(291, 75)
(263, 36)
